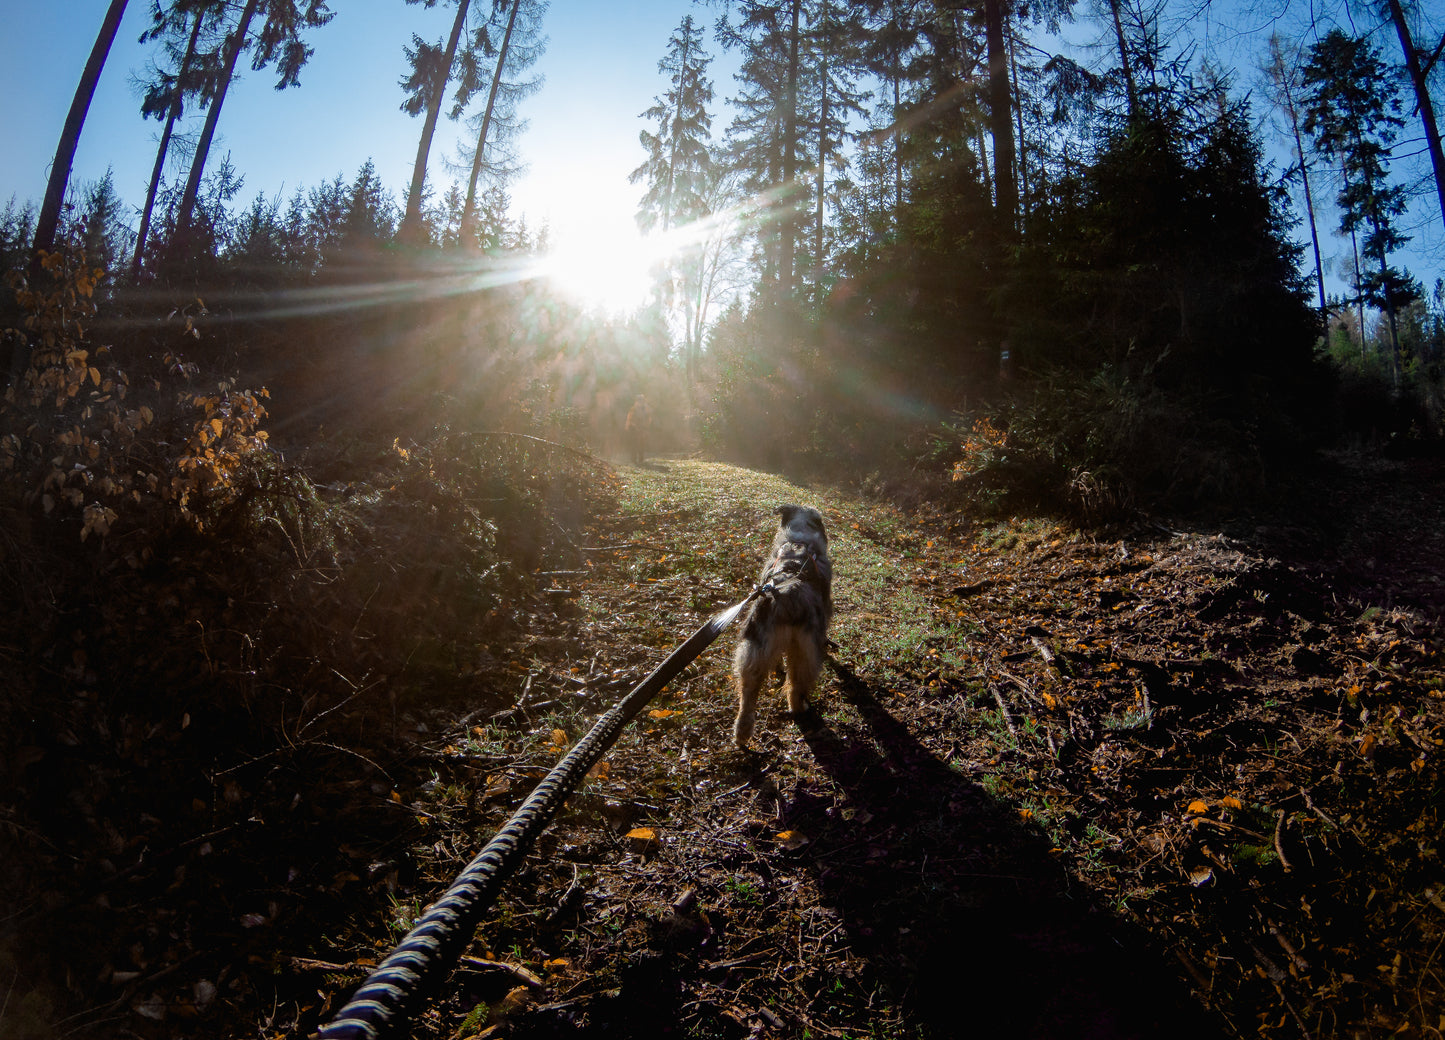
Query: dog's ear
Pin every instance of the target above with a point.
(786, 514)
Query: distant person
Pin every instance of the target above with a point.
(638, 428)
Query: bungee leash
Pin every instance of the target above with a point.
(395, 991)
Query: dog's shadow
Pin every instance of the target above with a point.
(962, 911)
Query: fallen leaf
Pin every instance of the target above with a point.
(1198, 807)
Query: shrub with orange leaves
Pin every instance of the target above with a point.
(74, 439)
(982, 448)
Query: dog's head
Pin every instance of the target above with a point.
(802, 524)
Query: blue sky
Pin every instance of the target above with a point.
(600, 68)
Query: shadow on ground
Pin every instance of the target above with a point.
(959, 904)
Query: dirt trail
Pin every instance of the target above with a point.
(871, 875)
(1151, 783)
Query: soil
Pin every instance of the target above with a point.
(1131, 782)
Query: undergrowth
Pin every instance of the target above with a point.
(188, 611)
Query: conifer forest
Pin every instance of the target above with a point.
(337, 513)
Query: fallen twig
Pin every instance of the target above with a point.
(1003, 710)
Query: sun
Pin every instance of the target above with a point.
(604, 264)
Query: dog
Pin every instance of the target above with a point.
(789, 620)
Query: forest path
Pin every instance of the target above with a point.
(874, 874)
(1062, 779)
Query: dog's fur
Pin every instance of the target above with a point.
(790, 622)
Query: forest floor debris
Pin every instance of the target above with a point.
(1132, 782)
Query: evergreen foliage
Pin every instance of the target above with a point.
(679, 155)
(1352, 110)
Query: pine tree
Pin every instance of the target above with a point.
(681, 176)
(165, 96)
(1352, 110)
(1284, 79)
(1000, 116)
(433, 69)
(832, 102)
(278, 41)
(891, 39)
(766, 135)
(679, 154)
(102, 227)
(498, 125)
(50, 208)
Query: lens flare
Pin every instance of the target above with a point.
(612, 269)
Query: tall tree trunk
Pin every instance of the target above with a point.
(1282, 75)
(1129, 86)
(172, 115)
(411, 223)
(1000, 118)
(788, 245)
(1018, 110)
(1389, 307)
(897, 154)
(49, 220)
(821, 180)
(1359, 291)
(470, 208)
(1422, 99)
(984, 175)
(213, 116)
(1304, 174)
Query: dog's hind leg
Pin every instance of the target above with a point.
(751, 669)
(804, 663)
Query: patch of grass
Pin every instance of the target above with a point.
(744, 892)
(880, 621)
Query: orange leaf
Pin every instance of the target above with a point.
(662, 713)
(1367, 746)
(559, 737)
(1231, 802)
(1198, 807)
(642, 834)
